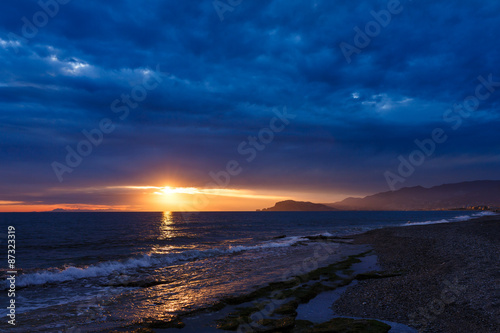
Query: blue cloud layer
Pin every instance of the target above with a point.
(222, 79)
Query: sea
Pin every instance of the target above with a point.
(83, 272)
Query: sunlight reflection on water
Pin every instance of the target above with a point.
(166, 227)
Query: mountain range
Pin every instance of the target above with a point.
(447, 196)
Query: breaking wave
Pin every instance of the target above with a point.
(454, 219)
(147, 260)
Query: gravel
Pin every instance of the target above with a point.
(450, 280)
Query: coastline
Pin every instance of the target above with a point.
(433, 278)
(448, 281)
(381, 277)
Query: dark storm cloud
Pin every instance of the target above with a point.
(222, 79)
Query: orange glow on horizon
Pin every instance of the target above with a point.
(163, 198)
(201, 199)
(28, 208)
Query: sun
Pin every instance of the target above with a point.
(168, 190)
(174, 198)
(183, 199)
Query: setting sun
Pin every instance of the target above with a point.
(167, 190)
(199, 199)
(173, 198)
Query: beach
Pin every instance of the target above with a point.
(449, 282)
(436, 278)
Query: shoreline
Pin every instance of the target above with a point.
(423, 276)
(279, 306)
(433, 278)
(448, 284)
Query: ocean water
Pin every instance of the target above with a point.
(84, 271)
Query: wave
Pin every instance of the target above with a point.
(147, 260)
(459, 218)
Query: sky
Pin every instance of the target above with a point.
(236, 104)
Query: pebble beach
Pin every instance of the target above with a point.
(449, 280)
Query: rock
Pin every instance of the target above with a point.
(287, 309)
(275, 325)
(376, 275)
(173, 323)
(279, 237)
(229, 324)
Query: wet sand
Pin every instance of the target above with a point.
(449, 280)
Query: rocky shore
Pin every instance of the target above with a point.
(435, 278)
(449, 282)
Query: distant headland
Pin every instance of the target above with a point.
(304, 206)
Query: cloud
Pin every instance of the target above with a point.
(223, 80)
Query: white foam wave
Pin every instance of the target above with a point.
(324, 234)
(74, 273)
(34, 304)
(148, 260)
(284, 243)
(454, 219)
